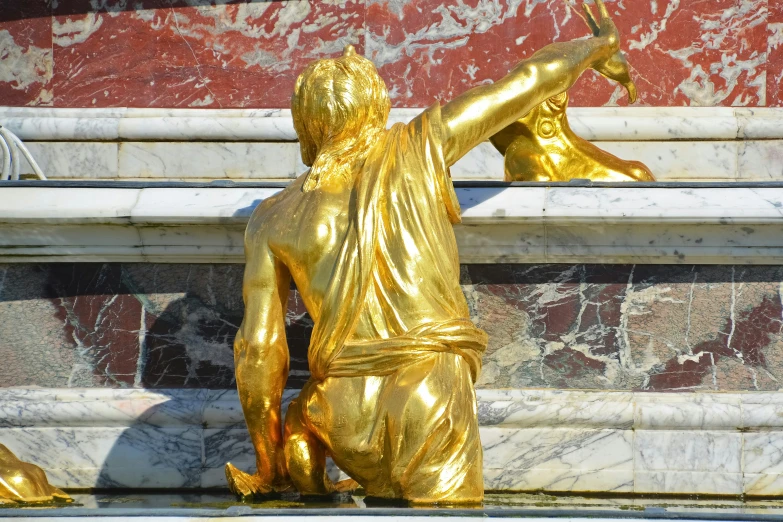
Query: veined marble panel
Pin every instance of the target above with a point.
(158, 124)
(188, 160)
(677, 143)
(533, 440)
(659, 328)
(761, 160)
(77, 160)
(257, 160)
(557, 224)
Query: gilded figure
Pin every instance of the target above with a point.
(25, 483)
(366, 235)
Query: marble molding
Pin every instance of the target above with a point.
(558, 224)
(757, 160)
(656, 328)
(72, 53)
(151, 124)
(678, 144)
(534, 440)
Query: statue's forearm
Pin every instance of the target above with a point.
(261, 359)
(261, 373)
(482, 111)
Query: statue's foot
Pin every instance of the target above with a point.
(244, 484)
(346, 486)
(59, 495)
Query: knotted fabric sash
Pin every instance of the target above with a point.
(386, 356)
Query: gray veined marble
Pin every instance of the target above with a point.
(559, 441)
(653, 225)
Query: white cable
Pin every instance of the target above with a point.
(16, 161)
(26, 153)
(13, 150)
(5, 173)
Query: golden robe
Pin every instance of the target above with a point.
(394, 354)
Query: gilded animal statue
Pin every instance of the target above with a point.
(540, 146)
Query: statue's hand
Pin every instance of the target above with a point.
(247, 485)
(616, 66)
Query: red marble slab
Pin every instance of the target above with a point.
(25, 53)
(161, 53)
(708, 52)
(775, 54)
(168, 53)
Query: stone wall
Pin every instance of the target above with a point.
(224, 53)
(608, 327)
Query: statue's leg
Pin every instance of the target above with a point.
(434, 448)
(305, 455)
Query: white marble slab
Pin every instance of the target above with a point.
(679, 143)
(688, 483)
(194, 160)
(681, 160)
(600, 124)
(79, 160)
(551, 440)
(698, 451)
(758, 123)
(500, 224)
(757, 160)
(760, 160)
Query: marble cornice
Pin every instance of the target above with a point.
(596, 124)
(674, 223)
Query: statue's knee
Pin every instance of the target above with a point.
(305, 458)
(305, 455)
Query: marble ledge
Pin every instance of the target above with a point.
(597, 124)
(550, 440)
(553, 205)
(703, 225)
(498, 408)
(755, 160)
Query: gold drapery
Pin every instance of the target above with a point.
(395, 330)
(397, 273)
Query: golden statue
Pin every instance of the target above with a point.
(366, 234)
(21, 482)
(541, 146)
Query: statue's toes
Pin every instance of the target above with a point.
(60, 495)
(346, 486)
(243, 484)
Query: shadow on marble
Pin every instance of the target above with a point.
(503, 505)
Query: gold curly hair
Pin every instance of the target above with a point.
(340, 106)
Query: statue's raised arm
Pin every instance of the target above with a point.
(481, 112)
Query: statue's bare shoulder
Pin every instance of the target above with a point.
(266, 217)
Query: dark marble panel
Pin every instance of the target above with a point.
(656, 327)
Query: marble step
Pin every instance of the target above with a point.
(534, 440)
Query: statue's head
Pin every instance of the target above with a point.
(339, 106)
